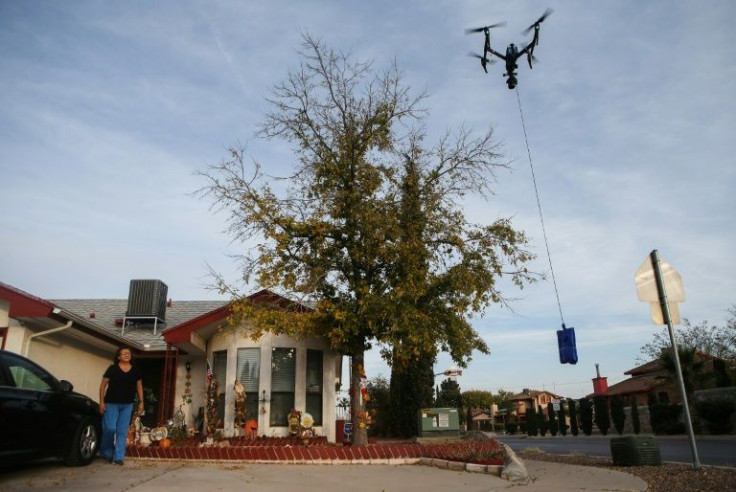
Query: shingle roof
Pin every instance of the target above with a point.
(107, 311)
(639, 384)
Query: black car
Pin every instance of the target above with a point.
(42, 417)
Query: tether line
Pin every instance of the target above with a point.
(539, 207)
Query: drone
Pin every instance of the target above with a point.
(513, 53)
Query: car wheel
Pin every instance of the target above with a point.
(84, 445)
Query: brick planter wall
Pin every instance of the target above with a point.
(294, 451)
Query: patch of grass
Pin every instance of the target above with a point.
(533, 450)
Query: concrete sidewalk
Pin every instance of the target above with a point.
(197, 476)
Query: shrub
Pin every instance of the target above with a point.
(602, 415)
(717, 414)
(586, 416)
(665, 418)
(562, 418)
(617, 413)
(552, 420)
(543, 424)
(635, 423)
(531, 422)
(511, 428)
(723, 378)
(571, 404)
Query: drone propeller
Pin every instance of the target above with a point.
(483, 60)
(490, 61)
(481, 29)
(539, 21)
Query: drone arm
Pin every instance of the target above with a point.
(497, 54)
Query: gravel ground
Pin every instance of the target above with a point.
(665, 478)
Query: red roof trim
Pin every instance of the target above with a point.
(23, 304)
(182, 332)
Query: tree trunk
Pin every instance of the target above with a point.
(357, 402)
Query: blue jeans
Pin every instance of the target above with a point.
(115, 423)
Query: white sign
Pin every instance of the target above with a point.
(646, 289)
(556, 405)
(444, 420)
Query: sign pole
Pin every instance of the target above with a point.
(676, 355)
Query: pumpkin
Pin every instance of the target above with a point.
(164, 443)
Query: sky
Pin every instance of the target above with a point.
(109, 109)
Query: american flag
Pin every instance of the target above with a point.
(209, 373)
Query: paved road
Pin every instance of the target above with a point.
(718, 451)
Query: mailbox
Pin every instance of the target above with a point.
(439, 422)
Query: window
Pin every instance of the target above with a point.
(219, 369)
(25, 375)
(314, 385)
(664, 397)
(248, 371)
(3, 337)
(283, 378)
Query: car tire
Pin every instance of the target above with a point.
(85, 443)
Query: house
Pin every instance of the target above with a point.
(530, 399)
(175, 343)
(643, 380)
(653, 379)
(487, 419)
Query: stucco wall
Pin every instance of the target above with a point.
(231, 342)
(67, 358)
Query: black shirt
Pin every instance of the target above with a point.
(121, 387)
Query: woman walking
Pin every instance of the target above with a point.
(120, 384)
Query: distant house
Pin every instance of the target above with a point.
(643, 380)
(173, 342)
(530, 399)
(652, 379)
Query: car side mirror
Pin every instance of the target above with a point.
(66, 386)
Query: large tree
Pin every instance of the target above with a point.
(369, 224)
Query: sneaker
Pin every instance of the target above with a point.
(118, 462)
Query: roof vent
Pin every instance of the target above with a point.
(147, 299)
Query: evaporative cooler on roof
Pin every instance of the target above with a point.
(147, 299)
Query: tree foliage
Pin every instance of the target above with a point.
(502, 399)
(448, 395)
(586, 416)
(602, 413)
(477, 399)
(618, 415)
(412, 388)
(572, 405)
(543, 423)
(379, 406)
(695, 374)
(552, 418)
(714, 340)
(369, 225)
(562, 418)
(532, 425)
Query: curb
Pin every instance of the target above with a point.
(433, 462)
